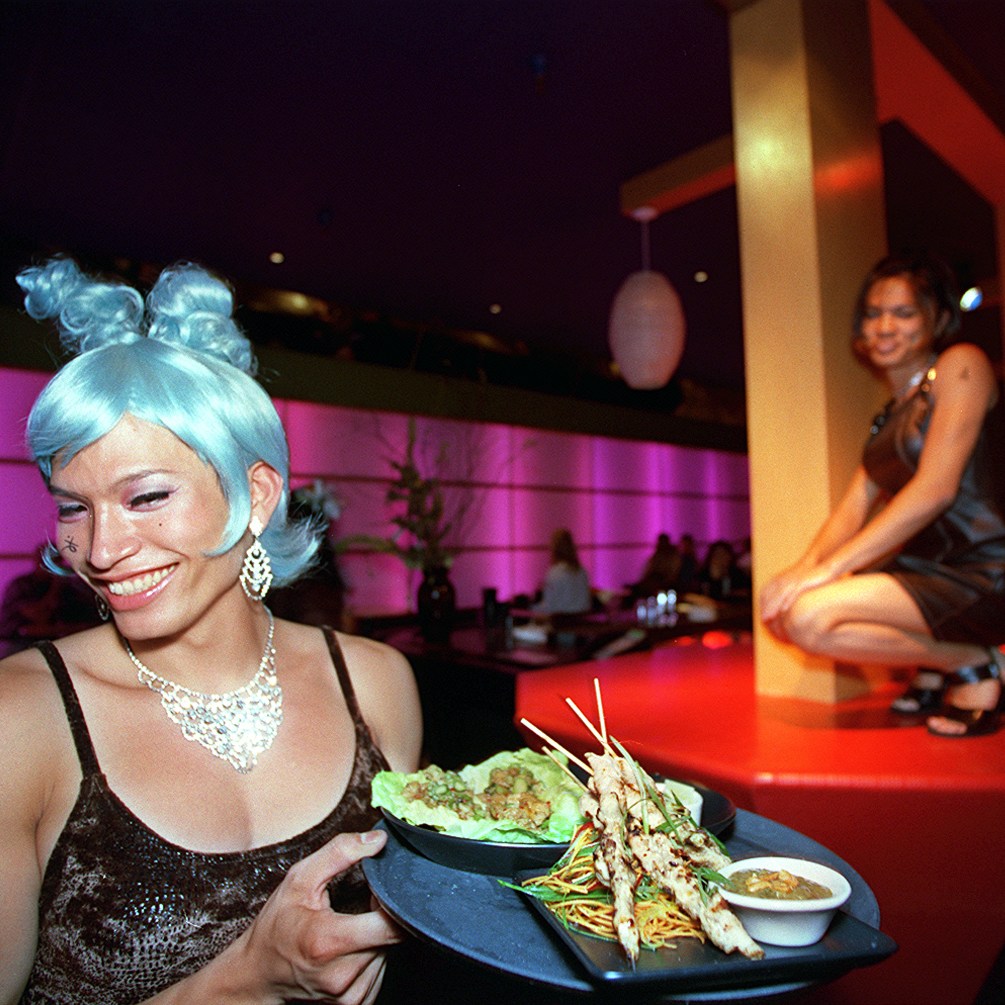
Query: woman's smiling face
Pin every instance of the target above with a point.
(897, 329)
(137, 515)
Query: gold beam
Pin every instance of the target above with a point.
(683, 180)
(921, 79)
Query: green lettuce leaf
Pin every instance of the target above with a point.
(561, 791)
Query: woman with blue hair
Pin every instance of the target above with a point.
(185, 803)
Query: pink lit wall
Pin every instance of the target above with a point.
(519, 483)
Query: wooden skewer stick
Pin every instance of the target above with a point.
(565, 767)
(554, 743)
(589, 725)
(600, 709)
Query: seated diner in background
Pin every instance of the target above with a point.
(661, 572)
(719, 577)
(38, 605)
(688, 563)
(566, 588)
(186, 795)
(317, 598)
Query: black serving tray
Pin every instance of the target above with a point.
(477, 917)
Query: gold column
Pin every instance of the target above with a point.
(809, 190)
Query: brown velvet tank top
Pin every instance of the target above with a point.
(971, 532)
(124, 913)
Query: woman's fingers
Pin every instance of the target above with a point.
(773, 599)
(777, 628)
(299, 947)
(769, 607)
(344, 972)
(786, 588)
(342, 936)
(365, 988)
(310, 877)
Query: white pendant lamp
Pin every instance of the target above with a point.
(646, 326)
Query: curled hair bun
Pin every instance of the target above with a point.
(190, 307)
(90, 313)
(187, 307)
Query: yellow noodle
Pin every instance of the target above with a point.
(659, 920)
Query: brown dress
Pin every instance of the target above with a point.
(955, 567)
(124, 914)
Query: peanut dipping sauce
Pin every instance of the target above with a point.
(778, 884)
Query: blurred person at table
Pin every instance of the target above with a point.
(745, 559)
(186, 787)
(662, 569)
(688, 563)
(566, 588)
(909, 569)
(719, 578)
(38, 605)
(318, 597)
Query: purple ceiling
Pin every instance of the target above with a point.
(420, 160)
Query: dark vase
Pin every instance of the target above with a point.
(437, 603)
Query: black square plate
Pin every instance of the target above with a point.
(695, 965)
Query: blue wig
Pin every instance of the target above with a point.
(183, 365)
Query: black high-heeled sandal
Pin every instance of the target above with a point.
(976, 721)
(918, 700)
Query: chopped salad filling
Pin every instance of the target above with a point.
(518, 796)
(513, 793)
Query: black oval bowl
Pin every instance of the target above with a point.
(493, 858)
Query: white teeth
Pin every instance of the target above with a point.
(130, 586)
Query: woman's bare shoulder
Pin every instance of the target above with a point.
(963, 371)
(307, 641)
(382, 680)
(388, 697)
(962, 357)
(375, 668)
(377, 657)
(26, 685)
(36, 747)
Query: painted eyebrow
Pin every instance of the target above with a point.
(118, 485)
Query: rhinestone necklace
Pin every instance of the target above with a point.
(235, 726)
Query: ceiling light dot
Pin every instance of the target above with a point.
(495, 309)
(277, 257)
(701, 276)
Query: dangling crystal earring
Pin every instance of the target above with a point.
(256, 573)
(102, 605)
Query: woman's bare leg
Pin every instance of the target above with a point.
(871, 618)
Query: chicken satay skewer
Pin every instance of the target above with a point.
(600, 710)
(613, 860)
(554, 743)
(600, 738)
(665, 865)
(548, 752)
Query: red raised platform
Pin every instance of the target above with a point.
(919, 817)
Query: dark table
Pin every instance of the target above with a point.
(467, 684)
(467, 693)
